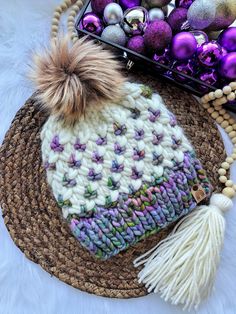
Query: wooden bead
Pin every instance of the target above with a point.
(231, 120)
(73, 13)
(54, 28)
(233, 85)
(225, 165)
(229, 183)
(232, 134)
(57, 15)
(211, 110)
(234, 140)
(231, 96)
(222, 111)
(219, 120)
(218, 93)
(229, 191)
(58, 10)
(230, 160)
(215, 114)
(212, 95)
(206, 105)
(223, 179)
(227, 90)
(234, 187)
(222, 172)
(234, 126)
(224, 124)
(234, 154)
(226, 116)
(71, 19)
(229, 129)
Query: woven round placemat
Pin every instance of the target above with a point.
(34, 219)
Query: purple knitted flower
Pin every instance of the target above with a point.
(55, 145)
(79, 146)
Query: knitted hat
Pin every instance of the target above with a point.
(121, 169)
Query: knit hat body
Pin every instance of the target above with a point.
(122, 172)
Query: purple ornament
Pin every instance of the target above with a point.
(162, 57)
(183, 46)
(127, 4)
(209, 76)
(183, 3)
(200, 37)
(98, 6)
(178, 20)
(136, 44)
(227, 66)
(135, 21)
(227, 39)
(158, 35)
(185, 67)
(91, 23)
(210, 53)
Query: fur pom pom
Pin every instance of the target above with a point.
(71, 77)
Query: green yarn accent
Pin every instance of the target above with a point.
(63, 203)
(146, 91)
(90, 193)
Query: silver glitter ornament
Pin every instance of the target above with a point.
(135, 21)
(113, 14)
(225, 15)
(201, 14)
(156, 3)
(156, 14)
(115, 34)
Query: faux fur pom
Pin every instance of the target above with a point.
(71, 77)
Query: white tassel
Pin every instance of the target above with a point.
(182, 267)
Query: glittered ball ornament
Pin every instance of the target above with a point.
(135, 21)
(183, 46)
(158, 35)
(156, 3)
(127, 4)
(113, 14)
(209, 53)
(224, 16)
(91, 23)
(98, 6)
(136, 44)
(183, 3)
(201, 14)
(227, 39)
(156, 14)
(227, 66)
(115, 34)
(200, 36)
(178, 20)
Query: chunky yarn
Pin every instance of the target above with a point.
(122, 172)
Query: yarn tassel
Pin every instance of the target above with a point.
(181, 268)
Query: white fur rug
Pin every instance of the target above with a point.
(24, 287)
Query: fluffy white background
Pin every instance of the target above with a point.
(24, 287)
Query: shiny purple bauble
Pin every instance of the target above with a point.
(227, 66)
(162, 57)
(91, 23)
(98, 6)
(209, 76)
(158, 35)
(183, 3)
(127, 4)
(136, 44)
(178, 19)
(209, 53)
(227, 39)
(183, 46)
(184, 67)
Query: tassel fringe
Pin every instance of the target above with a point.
(182, 267)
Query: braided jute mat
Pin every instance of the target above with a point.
(34, 220)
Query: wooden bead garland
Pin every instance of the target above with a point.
(213, 103)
